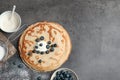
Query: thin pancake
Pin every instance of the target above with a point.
(41, 58)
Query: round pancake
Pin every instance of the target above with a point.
(44, 46)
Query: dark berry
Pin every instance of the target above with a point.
(34, 51)
(52, 49)
(61, 71)
(41, 52)
(55, 45)
(40, 44)
(66, 72)
(37, 52)
(20, 66)
(47, 46)
(36, 47)
(68, 75)
(40, 61)
(58, 73)
(29, 54)
(66, 79)
(47, 52)
(52, 45)
(39, 78)
(58, 78)
(42, 38)
(14, 63)
(37, 40)
(61, 76)
(71, 78)
(49, 42)
(55, 78)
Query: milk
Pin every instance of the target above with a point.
(8, 23)
(2, 52)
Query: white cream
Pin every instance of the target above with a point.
(2, 52)
(43, 47)
(8, 23)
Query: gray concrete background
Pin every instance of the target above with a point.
(94, 28)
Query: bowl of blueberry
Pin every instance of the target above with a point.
(64, 74)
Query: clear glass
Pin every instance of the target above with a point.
(5, 46)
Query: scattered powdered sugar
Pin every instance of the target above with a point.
(19, 74)
(24, 73)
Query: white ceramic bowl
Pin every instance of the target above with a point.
(75, 77)
(2, 25)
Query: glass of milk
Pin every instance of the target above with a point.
(10, 24)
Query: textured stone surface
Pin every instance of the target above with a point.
(94, 28)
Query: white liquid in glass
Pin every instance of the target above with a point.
(2, 52)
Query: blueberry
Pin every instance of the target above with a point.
(52, 49)
(37, 52)
(58, 73)
(41, 52)
(34, 51)
(42, 38)
(55, 45)
(61, 71)
(55, 78)
(20, 66)
(14, 63)
(49, 42)
(40, 61)
(66, 79)
(40, 44)
(52, 45)
(66, 72)
(68, 75)
(62, 78)
(61, 75)
(47, 46)
(58, 78)
(36, 47)
(47, 52)
(71, 78)
(37, 40)
(29, 54)
(39, 78)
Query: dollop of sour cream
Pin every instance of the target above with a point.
(2, 52)
(42, 47)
